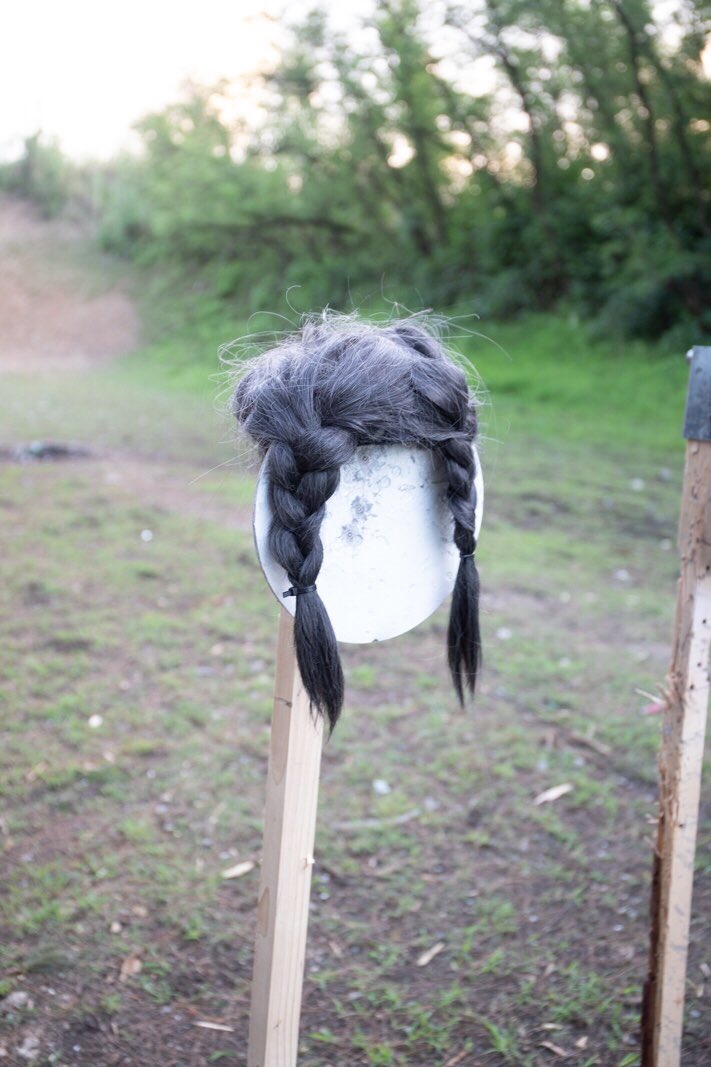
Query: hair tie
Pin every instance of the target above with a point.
(466, 555)
(295, 590)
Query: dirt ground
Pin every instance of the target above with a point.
(49, 317)
(455, 922)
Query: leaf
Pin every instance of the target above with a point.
(430, 954)
(130, 966)
(553, 793)
(555, 1049)
(457, 1058)
(239, 869)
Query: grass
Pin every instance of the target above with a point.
(550, 378)
(135, 692)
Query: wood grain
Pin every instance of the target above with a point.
(680, 763)
(289, 830)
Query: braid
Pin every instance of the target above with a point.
(444, 390)
(308, 404)
(301, 479)
(463, 634)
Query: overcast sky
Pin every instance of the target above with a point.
(84, 70)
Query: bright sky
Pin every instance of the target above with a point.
(85, 70)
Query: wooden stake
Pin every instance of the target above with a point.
(680, 765)
(289, 831)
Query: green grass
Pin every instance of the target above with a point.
(549, 378)
(118, 832)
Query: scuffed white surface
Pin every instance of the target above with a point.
(389, 559)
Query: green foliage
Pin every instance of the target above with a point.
(515, 154)
(42, 175)
(503, 1041)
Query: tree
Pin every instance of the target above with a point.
(578, 172)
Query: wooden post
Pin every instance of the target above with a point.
(289, 831)
(370, 595)
(683, 730)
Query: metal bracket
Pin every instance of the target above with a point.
(697, 420)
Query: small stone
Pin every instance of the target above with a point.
(17, 1001)
(30, 1048)
(504, 634)
(637, 484)
(146, 535)
(381, 788)
(95, 721)
(622, 575)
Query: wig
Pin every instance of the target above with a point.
(308, 403)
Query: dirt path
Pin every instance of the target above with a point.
(61, 313)
(52, 314)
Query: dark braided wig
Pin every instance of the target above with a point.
(308, 404)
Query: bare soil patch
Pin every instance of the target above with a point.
(47, 320)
